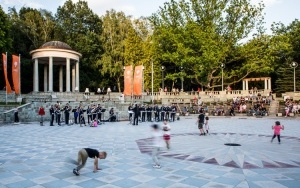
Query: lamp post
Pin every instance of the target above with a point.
(152, 82)
(222, 67)
(108, 92)
(181, 69)
(294, 65)
(99, 91)
(143, 84)
(163, 68)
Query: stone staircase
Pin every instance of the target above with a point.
(274, 107)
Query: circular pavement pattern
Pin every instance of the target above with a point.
(256, 151)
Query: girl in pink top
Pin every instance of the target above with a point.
(277, 128)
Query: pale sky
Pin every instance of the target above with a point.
(284, 11)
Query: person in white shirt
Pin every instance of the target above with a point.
(157, 144)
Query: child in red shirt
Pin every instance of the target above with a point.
(41, 113)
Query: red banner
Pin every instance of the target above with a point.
(138, 80)
(16, 73)
(7, 85)
(128, 80)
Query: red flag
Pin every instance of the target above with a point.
(7, 85)
(16, 73)
(138, 80)
(127, 80)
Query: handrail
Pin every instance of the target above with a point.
(12, 110)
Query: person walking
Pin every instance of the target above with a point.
(157, 144)
(86, 153)
(206, 124)
(277, 128)
(201, 118)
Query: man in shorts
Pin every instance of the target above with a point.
(201, 119)
(83, 154)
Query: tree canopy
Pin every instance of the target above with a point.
(191, 38)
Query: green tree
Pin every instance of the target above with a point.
(5, 38)
(115, 30)
(200, 35)
(288, 49)
(81, 28)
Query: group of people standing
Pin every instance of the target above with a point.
(145, 113)
(58, 114)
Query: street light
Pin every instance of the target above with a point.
(143, 85)
(108, 92)
(163, 68)
(181, 69)
(99, 91)
(222, 67)
(152, 82)
(294, 65)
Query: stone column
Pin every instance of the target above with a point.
(68, 75)
(269, 84)
(73, 78)
(266, 84)
(61, 83)
(244, 85)
(77, 75)
(50, 74)
(247, 88)
(36, 75)
(45, 78)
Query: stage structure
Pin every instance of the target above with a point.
(266, 80)
(56, 53)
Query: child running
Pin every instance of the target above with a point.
(157, 143)
(206, 124)
(277, 128)
(167, 133)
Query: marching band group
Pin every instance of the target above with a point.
(137, 113)
(93, 112)
(143, 112)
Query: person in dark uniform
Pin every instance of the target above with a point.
(149, 113)
(173, 112)
(156, 113)
(86, 153)
(75, 115)
(81, 116)
(16, 114)
(136, 115)
(112, 115)
(162, 113)
(57, 112)
(143, 110)
(89, 114)
(168, 110)
(67, 113)
(99, 108)
(51, 110)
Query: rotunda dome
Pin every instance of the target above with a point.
(57, 45)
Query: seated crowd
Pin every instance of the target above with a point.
(258, 108)
(291, 107)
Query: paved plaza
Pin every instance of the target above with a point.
(40, 156)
